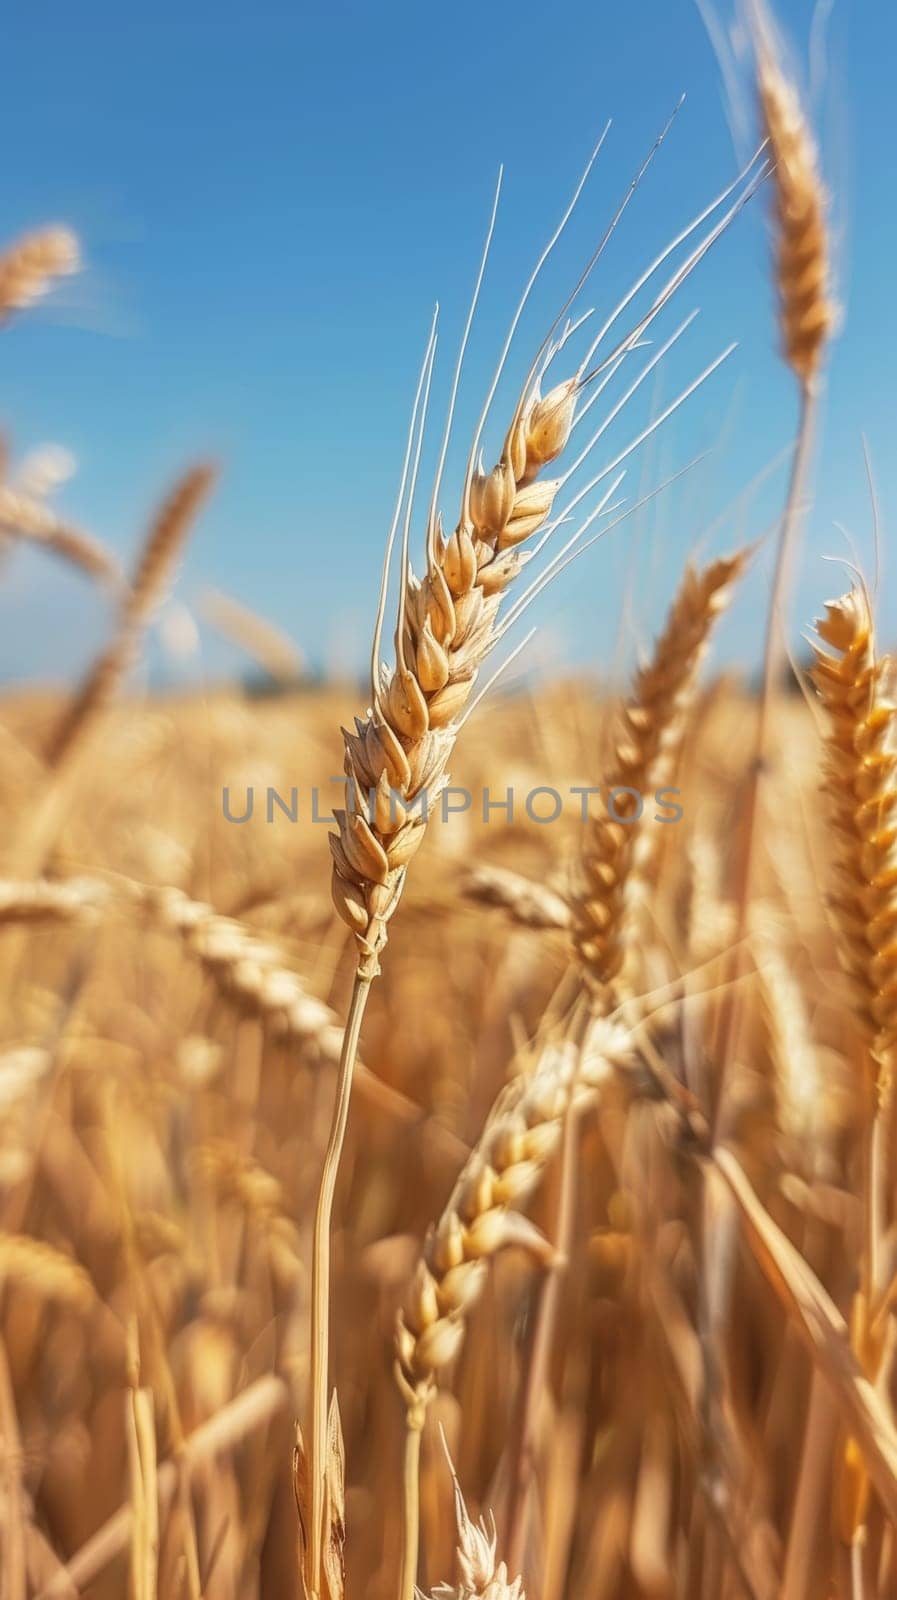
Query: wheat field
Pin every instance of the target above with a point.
(479, 1182)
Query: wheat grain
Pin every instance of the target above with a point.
(28, 267)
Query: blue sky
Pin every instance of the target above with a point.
(270, 201)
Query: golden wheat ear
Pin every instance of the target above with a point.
(806, 309)
(28, 267)
(484, 1215)
(164, 542)
(856, 687)
(650, 730)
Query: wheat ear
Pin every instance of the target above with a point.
(38, 1266)
(41, 900)
(247, 971)
(802, 259)
(807, 317)
(447, 627)
(259, 638)
(166, 537)
(23, 517)
(529, 904)
(483, 1215)
(856, 687)
(649, 732)
(28, 267)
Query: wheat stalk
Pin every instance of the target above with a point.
(650, 730)
(28, 267)
(448, 625)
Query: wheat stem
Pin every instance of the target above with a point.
(320, 1277)
(774, 654)
(411, 1501)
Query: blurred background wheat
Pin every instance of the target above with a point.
(613, 1249)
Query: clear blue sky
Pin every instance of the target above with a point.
(272, 197)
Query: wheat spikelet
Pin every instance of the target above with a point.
(531, 904)
(26, 518)
(650, 729)
(482, 1215)
(28, 267)
(35, 1265)
(802, 266)
(857, 689)
(166, 537)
